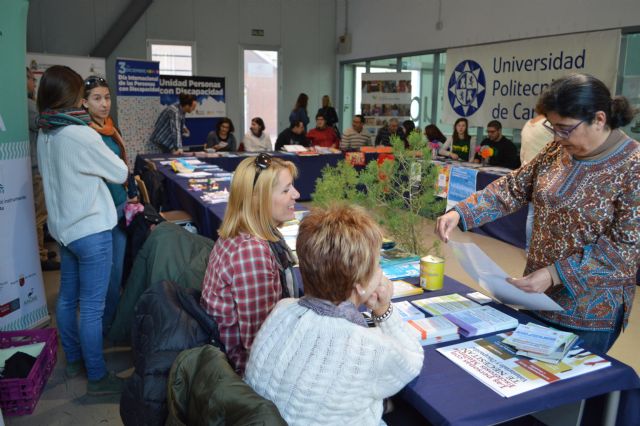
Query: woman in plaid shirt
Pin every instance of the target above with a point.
(249, 266)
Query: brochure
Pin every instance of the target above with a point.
(433, 330)
(497, 365)
(403, 289)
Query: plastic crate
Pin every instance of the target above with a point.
(20, 396)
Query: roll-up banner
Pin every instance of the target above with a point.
(385, 96)
(22, 300)
(503, 81)
(138, 90)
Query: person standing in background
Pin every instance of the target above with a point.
(533, 138)
(47, 258)
(329, 113)
(76, 164)
(256, 139)
(170, 125)
(299, 112)
(97, 102)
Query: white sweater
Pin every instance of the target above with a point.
(320, 370)
(253, 143)
(74, 162)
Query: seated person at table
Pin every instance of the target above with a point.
(460, 144)
(257, 140)
(294, 135)
(315, 357)
(392, 129)
(222, 138)
(249, 266)
(323, 135)
(355, 137)
(505, 153)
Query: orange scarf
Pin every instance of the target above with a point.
(108, 129)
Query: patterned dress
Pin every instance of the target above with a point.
(587, 225)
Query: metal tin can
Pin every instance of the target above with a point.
(431, 272)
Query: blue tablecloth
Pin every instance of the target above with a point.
(510, 229)
(445, 394)
(309, 167)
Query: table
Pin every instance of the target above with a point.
(510, 229)
(447, 395)
(207, 217)
(309, 167)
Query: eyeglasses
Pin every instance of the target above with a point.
(262, 162)
(562, 134)
(93, 81)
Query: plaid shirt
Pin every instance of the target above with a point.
(240, 288)
(168, 129)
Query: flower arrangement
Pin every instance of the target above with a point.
(485, 151)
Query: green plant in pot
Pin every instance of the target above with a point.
(399, 192)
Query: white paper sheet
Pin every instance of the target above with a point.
(492, 278)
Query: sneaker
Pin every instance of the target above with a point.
(50, 265)
(73, 369)
(110, 384)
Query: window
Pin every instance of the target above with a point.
(175, 59)
(261, 89)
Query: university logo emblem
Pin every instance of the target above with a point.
(466, 88)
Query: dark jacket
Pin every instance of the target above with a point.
(287, 137)
(505, 153)
(203, 389)
(168, 319)
(169, 253)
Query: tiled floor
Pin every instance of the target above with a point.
(64, 401)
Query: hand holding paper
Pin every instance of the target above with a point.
(493, 279)
(536, 282)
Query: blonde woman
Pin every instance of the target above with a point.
(249, 266)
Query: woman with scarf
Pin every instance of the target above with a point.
(97, 102)
(339, 369)
(249, 267)
(75, 165)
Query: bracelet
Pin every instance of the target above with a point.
(384, 316)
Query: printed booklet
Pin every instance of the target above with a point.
(497, 365)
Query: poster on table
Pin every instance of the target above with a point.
(210, 92)
(462, 183)
(503, 81)
(385, 96)
(22, 299)
(138, 90)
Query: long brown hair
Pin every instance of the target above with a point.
(60, 88)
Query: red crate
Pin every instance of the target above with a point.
(20, 396)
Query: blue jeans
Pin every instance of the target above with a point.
(84, 277)
(119, 238)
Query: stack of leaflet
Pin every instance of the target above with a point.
(542, 343)
(407, 311)
(433, 330)
(396, 264)
(472, 319)
(403, 289)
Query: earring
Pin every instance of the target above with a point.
(361, 292)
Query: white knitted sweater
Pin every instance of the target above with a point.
(74, 163)
(320, 370)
